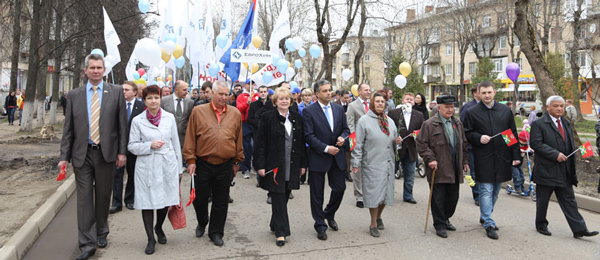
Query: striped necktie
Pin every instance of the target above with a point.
(95, 123)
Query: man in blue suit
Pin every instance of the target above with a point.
(325, 129)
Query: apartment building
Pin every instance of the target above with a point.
(372, 66)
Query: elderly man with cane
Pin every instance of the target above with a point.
(443, 146)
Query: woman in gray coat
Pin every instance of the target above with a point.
(373, 154)
(154, 139)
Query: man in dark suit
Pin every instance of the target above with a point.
(94, 139)
(134, 107)
(463, 112)
(180, 106)
(407, 121)
(325, 130)
(344, 99)
(257, 108)
(552, 140)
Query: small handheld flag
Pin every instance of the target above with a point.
(192, 193)
(63, 172)
(352, 139)
(415, 133)
(275, 175)
(509, 137)
(586, 150)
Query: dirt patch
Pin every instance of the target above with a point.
(588, 176)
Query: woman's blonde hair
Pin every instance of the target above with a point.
(281, 91)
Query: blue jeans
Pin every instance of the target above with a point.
(488, 195)
(518, 178)
(11, 114)
(247, 132)
(20, 115)
(408, 172)
(474, 189)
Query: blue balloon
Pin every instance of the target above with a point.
(213, 69)
(179, 62)
(302, 52)
(276, 59)
(315, 51)
(97, 51)
(144, 6)
(136, 75)
(267, 77)
(221, 41)
(282, 65)
(171, 37)
(289, 45)
(298, 63)
(294, 85)
(145, 77)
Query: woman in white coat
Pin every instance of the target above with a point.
(153, 138)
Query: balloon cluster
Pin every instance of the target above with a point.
(405, 70)
(283, 66)
(140, 76)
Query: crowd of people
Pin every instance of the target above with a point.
(284, 135)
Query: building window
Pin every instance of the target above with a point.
(400, 39)
(516, 39)
(472, 68)
(487, 20)
(448, 49)
(502, 42)
(583, 31)
(502, 19)
(367, 57)
(436, 71)
(435, 51)
(498, 65)
(555, 34)
(449, 69)
(520, 62)
(448, 29)
(536, 10)
(470, 48)
(408, 37)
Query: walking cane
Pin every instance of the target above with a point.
(429, 203)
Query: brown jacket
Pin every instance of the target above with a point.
(433, 145)
(213, 142)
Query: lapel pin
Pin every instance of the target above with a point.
(106, 92)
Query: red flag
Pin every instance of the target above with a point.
(352, 139)
(63, 172)
(586, 150)
(415, 133)
(192, 193)
(509, 137)
(275, 175)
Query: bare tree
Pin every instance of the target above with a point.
(34, 53)
(575, 57)
(361, 42)
(16, 39)
(57, 59)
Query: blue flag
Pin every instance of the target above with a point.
(242, 40)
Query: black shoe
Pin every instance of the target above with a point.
(322, 235)
(585, 233)
(269, 200)
(113, 210)
(360, 204)
(332, 224)
(129, 206)
(291, 195)
(411, 201)
(544, 231)
(230, 200)
(481, 222)
(150, 247)
(491, 233)
(199, 231)
(449, 226)
(86, 254)
(102, 242)
(280, 242)
(160, 234)
(217, 240)
(441, 233)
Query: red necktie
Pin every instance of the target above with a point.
(561, 130)
(366, 106)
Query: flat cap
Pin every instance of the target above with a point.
(446, 99)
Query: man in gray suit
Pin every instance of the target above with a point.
(94, 140)
(180, 106)
(357, 109)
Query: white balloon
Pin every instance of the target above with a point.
(108, 65)
(169, 47)
(346, 74)
(298, 42)
(400, 81)
(111, 58)
(148, 52)
(160, 83)
(289, 73)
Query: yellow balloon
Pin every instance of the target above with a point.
(245, 65)
(354, 90)
(405, 69)
(170, 77)
(165, 56)
(178, 51)
(159, 79)
(254, 68)
(256, 41)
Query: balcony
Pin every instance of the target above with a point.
(434, 60)
(433, 78)
(593, 11)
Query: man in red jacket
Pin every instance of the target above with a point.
(243, 104)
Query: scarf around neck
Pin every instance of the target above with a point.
(155, 120)
(383, 122)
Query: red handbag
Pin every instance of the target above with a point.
(177, 215)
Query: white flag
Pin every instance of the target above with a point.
(225, 29)
(209, 33)
(130, 69)
(280, 30)
(112, 42)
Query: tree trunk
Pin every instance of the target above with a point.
(79, 59)
(526, 34)
(14, 66)
(461, 66)
(58, 53)
(34, 66)
(574, 66)
(43, 72)
(361, 42)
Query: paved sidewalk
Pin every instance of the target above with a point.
(247, 233)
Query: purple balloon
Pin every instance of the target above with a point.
(513, 71)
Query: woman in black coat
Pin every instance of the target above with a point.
(10, 105)
(280, 157)
(421, 105)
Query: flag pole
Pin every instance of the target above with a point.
(578, 149)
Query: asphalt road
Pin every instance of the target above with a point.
(247, 234)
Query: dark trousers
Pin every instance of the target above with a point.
(117, 200)
(568, 205)
(443, 203)
(337, 183)
(216, 178)
(94, 182)
(246, 165)
(280, 222)
(474, 189)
